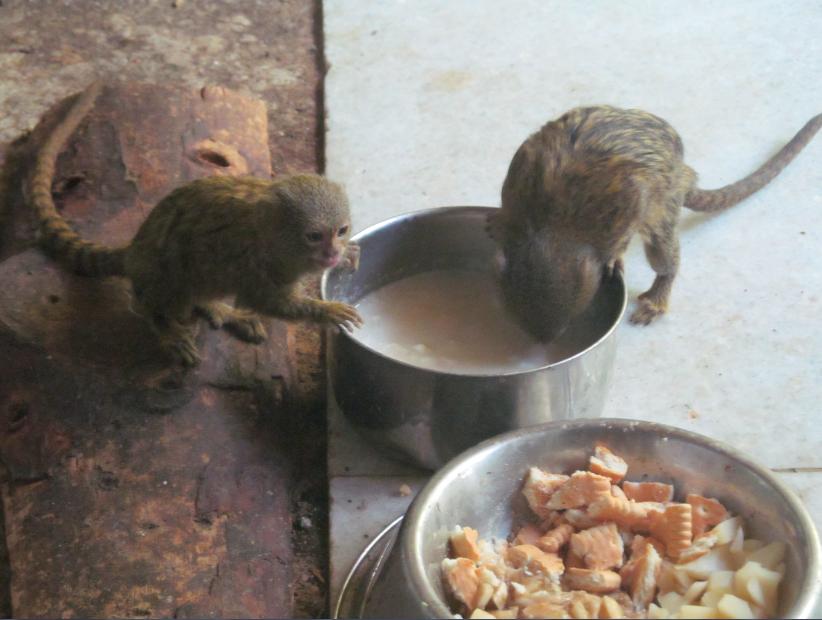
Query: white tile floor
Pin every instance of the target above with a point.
(427, 102)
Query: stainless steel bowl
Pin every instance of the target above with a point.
(428, 417)
(481, 489)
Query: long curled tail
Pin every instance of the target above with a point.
(728, 196)
(57, 238)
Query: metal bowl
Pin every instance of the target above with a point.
(425, 416)
(482, 489)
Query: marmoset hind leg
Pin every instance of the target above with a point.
(172, 320)
(662, 251)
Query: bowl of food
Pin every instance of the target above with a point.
(438, 365)
(601, 518)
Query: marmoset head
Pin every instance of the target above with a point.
(546, 282)
(317, 214)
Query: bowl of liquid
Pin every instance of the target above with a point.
(439, 366)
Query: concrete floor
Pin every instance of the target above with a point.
(427, 102)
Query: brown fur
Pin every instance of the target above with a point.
(251, 238)
(578, 190)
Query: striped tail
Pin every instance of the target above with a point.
(57, 238)
(728, 196)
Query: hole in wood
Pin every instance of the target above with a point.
(215, 158)
(18, 414)
(68, 185)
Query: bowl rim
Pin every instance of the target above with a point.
(420, 213)
(410, 537)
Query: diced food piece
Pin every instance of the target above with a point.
(700, 547)
(599, 547)
(579, 519)
(462, 580)
(464, 543)
(544, 610)
(634, 516)
(638, 544)
(757, 585)
(555, 539)
(657, 613)
(539, 487)
(736, 546)
(584, 605)
(644, 583)
(480, 613)
(769, 556)
(527, 535)
(505, 614)
(717, 559)
(697, 612)
(598, 581)
(606, 463)
(648, 491)
(720, 583)
(669, 578)
(610, 608)
(671, 602)
(695, 591)
(706, 513)
(491, 588)
(536, 560)
(581, 489)
(674, 528)
(731, 606)
(725, 531)
(617, 492)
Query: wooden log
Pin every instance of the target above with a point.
(134, 488)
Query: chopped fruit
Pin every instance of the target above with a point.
(600, 547)
(726, 532)
(606, 463)
(648, 491)
(706, 513)
(730, 606)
